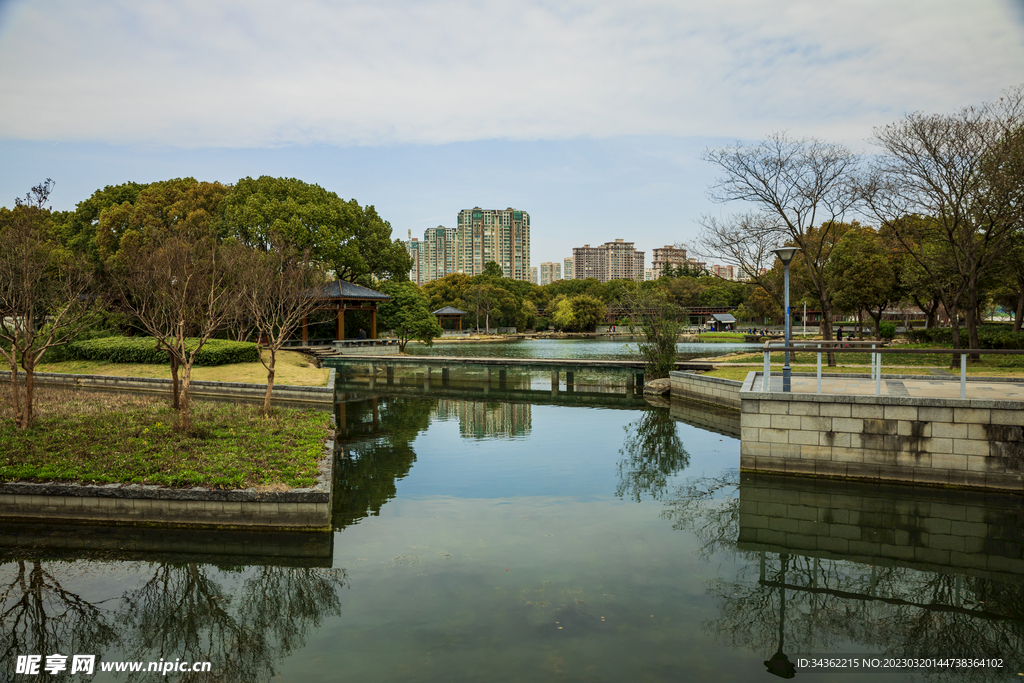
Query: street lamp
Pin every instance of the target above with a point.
(786, 255)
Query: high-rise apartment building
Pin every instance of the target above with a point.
(569, 269)
(434, 257)
(496, 235)
(549, 272)
(724, 272)
(533, 274)
(616, 260)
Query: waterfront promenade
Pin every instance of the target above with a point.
(914, 386)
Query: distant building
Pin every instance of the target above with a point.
(549, 272)
(569, 268)
(672, 256)
(533, 274)
(496, 235)
(434, 257)
(616, 260)
(724, 272)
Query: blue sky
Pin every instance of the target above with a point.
(590, 115)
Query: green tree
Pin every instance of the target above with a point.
(352, 241)
(492, 269)
(660, 325)
(862, 274)
(407, 314)
(577, 313)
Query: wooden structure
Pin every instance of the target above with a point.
(449, 312)
(342, 296)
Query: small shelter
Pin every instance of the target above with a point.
(449, 312)
(342, 296)
(723, 318)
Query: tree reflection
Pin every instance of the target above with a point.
(828, 605)
(183, 611)
(41, 616)
(653, 452)
(377, 453)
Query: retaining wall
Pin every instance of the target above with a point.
(947, 442)
(198, 389)
(928, 529)
(722, 392)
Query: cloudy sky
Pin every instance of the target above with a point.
(590, 115)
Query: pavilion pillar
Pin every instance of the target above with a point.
(373, 322)
(339, 332)
(305, 330)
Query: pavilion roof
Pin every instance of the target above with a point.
(449, 310)
(342, 289)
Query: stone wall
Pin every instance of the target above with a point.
(928, 529)
(198, 389)
(946, 442)
(722, 392)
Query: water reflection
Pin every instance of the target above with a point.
(832, 567)
(652, 453)
(244, 620)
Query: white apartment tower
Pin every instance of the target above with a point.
(549, 272)
(496, 235)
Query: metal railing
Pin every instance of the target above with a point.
(876, 349)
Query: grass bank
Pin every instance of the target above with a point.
(292, 368)
(101, 438)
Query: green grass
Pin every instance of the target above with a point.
(96, 438)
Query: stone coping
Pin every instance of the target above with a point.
(748, 392)
(705, 378)
(114, 380)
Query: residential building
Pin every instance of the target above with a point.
(496, 235)
(672, 256)
(434, 256)
(568, 269)
(549, 272)
(616, 260)
(724, 272)
(533, 274)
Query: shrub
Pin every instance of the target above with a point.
(143, 350)
(989, 336)
(887, 330)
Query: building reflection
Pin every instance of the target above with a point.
(836, 567)
(487, 420)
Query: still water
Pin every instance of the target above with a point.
(485, 540)
(569, 348)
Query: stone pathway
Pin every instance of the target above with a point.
(926, 387)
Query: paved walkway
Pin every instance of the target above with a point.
(926, 387)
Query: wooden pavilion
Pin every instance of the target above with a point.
(342, 296)
(449, 312)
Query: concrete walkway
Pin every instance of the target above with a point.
(917, 387)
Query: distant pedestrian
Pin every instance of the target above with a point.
(839, 335)
(362, 333)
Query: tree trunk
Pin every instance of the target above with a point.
(15, 392)
(826, 327)
(174, 381)
(184, 409)
(270, 381)
(878, 324)
(972, 322)
(1018, 312)
(26, 415)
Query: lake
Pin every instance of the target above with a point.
(494, 540)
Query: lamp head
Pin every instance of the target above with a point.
(786, 254)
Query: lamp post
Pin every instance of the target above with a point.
(786, 255)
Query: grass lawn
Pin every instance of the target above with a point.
(292, 368)
(101, 438)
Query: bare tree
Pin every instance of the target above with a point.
(800, 184)
(274, 291)
(950, 188)
(45, 296)
(748, 240)
(182, 289)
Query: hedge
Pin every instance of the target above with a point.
(989, 336)
(143, 350)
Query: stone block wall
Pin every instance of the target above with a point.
(929, 529)
(946, 442)
(722, 392)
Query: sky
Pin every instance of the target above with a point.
(590, 115)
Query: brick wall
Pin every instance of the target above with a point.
(722, 392)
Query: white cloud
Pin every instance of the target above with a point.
(209, 73)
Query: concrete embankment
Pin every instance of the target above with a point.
(198, 389)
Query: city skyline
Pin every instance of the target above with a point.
(607, 144)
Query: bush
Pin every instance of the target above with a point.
(887, 330)
(143, 350)
(989, 336)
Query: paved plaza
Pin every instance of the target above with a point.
(921, 387)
